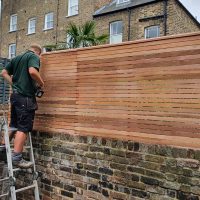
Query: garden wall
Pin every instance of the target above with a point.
(121, 121)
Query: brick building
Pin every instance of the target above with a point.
(45, 22)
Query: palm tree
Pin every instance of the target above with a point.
(84, 36)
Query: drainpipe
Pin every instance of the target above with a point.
(129, 24)
(57, 18)
(165, 17)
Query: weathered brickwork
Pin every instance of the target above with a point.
(178, 21)
(137, 27)
(28, 9)
(91, 168)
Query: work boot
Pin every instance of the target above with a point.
(23, 164)
(3, 157)
(18, 161)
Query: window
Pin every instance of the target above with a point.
(152, 32)
(48, 21)
(116, 32)
(31, 25)
(122, 1)
(12, 50)
(72, 7)
(13, 23)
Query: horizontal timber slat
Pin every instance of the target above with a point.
(146, 91)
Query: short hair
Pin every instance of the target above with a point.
(37, 47)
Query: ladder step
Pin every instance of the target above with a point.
(25, 188)
(29, 170)
(16, 169)
(25, 147)
(4, 195)
(12, 129)
(4, 179)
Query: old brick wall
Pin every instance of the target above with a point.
(28, 9)
(136, 27)
(178, 21)
(94, 168)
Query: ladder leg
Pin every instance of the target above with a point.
(5, 184)
(36, 190)
(9, 161)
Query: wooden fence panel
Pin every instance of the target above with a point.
(57, 107)
(144, 91)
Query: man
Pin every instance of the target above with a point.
(22, 73)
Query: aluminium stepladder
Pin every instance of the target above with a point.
(11, 179)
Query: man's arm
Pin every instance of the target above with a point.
(6, 76)
(36, 76)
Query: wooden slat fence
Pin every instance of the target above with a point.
(146, 91)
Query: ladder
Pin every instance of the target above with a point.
(11, 171)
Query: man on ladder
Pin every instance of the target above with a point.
(22, 73)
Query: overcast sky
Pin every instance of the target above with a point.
(193, 6)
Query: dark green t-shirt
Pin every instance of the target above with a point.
(18, 68)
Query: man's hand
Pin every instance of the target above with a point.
(6, 76)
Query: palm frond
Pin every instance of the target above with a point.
(84, 36)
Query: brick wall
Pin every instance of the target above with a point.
(137, 27)
(178, 21)
(94, 168)
(28, 9)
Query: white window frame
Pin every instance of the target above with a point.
(117, 34)
(48, 24)
(12, 51)
(150, 28)
(122, 1)
(13, 22)
(73, 7)
(31, 27)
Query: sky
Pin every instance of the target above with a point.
(193, 6)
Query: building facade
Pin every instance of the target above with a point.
(45, 22)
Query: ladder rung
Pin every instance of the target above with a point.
(4, 195)
(29, 170)
(11, 129)
(16, 169)
(4, 179)
(25, 188)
